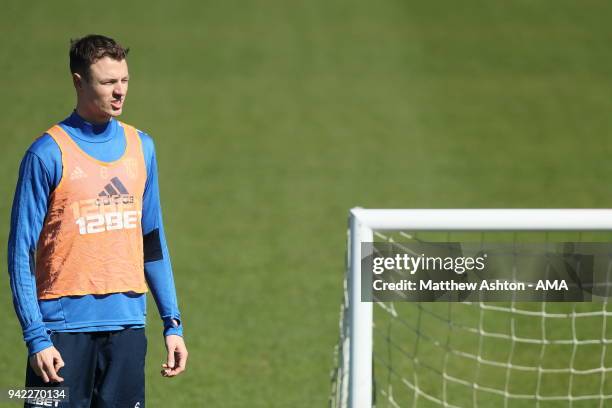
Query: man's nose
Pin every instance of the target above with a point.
(120, 89)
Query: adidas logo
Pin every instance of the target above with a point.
(114, 193)
(114, 188)
(77, 173)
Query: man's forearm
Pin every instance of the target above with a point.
(161, 282)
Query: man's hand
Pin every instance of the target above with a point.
(46, 363)
(177, 356)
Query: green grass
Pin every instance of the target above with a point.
(273, 118)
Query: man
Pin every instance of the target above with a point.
(87, 239)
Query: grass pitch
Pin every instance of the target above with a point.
(272, 119)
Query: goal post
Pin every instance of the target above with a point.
(353, 375)
(360, 327)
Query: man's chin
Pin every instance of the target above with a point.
(115, 112)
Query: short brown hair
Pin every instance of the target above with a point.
(87, 50)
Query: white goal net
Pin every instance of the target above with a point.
(473, 354)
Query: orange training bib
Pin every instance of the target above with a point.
(91, 240)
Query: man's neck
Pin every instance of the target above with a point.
(88, 131)
(91, 118)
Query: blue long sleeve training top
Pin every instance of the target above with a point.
(40, 172)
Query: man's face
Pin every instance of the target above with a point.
(102, 95)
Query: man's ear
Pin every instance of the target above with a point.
(77, 80)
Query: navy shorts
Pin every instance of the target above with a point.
(102, 369)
